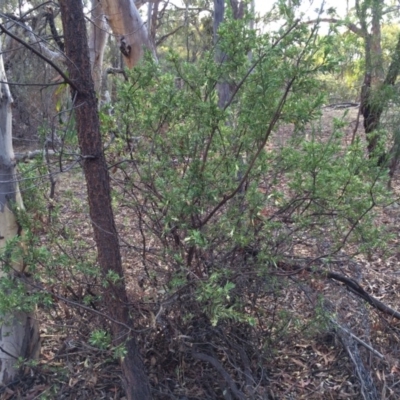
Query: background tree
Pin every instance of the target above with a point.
(377, 86)
(126, 24)
(214, 207)
(97, 42)
(19, 333)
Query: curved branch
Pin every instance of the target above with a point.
(350, 25)
(353, 285)
(217, 365)
(50, 19)
(35, 40)
(356, 288)
(40, 55)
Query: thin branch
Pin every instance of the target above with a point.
(36, 39)
(167, 35)
(40, 55)
(351, 26)
(366, 345)
(33, 84)
(217, 365)
(271, 126)
(76, 304)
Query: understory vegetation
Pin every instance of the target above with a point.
(246, 233)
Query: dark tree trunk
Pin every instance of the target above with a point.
(98, 186)
(373, 104)
(371, 111)
(237, 8)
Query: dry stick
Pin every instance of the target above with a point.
(359, 291)
(366, 345)
(217, 365)
(354, 286)
(306, 289)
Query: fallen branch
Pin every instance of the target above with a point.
(367, 386)
(29, 155)
(356, 338)
(354, 286)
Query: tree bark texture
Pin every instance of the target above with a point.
(97, 42)
(224, 90)
(373, 79)
(127, 25)
(19, 333)
(373, 101)
(154, 21)
(99, 196)
(238, 9)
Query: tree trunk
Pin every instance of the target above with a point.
(154, 17)
(19, 334)
(238, 9)
(376, 39)
(127, 25)
(97, 43)
(99, 196)
(373, 101)
(223, 87)
(373, 97)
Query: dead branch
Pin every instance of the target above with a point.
(367, 386)
(217, 365)
(351, 284)
(356, 338)
(356, 288)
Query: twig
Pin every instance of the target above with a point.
(33, 50)
(366, 345)
(9, 354)
(217, 365)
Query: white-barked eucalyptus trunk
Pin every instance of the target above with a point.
(97, 42)
(127, 25)
(18, 330)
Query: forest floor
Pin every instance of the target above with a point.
(358, 359)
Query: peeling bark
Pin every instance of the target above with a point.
(19, 334)
(127, 25)
(97, 42)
